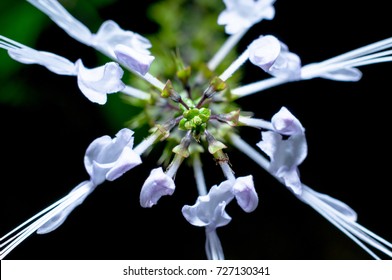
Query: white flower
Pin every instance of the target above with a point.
(108, 158)
(286, 123)
(155, 186)
(109, 35)
(138, 62)
(209, 210)
(96, 83)
(264, 51)
(285, 155)
(245, 193)
(274, 57)
(242, 14)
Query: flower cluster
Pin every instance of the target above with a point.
(196, 114)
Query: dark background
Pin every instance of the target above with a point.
(347, 125)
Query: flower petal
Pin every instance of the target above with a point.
(110, 34)
(242, 14)
(96, 83)
(139, 62)
(286, 123)
(157, 185)
(264, 51)
(245, 193)
(209, 210)
(108, 158)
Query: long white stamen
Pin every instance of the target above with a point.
(372, 48)
(325, 214)
(19, 234)
(352, 229)
(316, 69)
(213, 246)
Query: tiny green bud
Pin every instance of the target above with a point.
(167, 90)
(217, 84)
(181, 150)
(216, 146)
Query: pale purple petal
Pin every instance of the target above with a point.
(108, 158)
(211, 218)
(286, 123)
(245, 193)
(264, 51)
(287, 65)
(139, 62)
(290, 177)
(157, 185)
(209, 210)
(274, 57)
(285, 156)
(126, 161)
(96, 83)
(110, 34)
